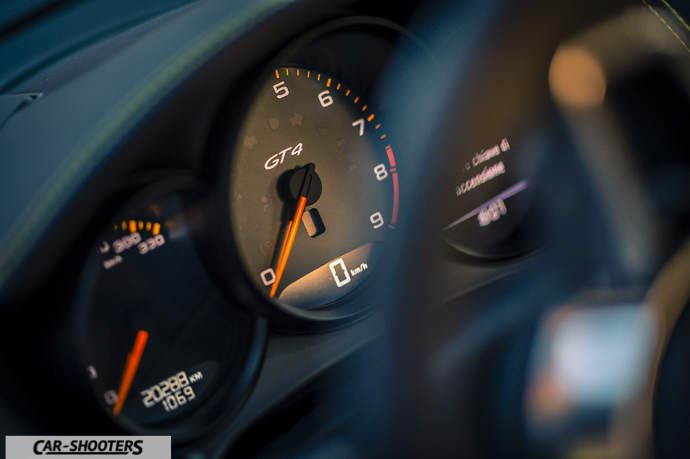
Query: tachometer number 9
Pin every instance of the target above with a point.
(376, 220)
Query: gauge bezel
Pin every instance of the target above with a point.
(339, 312)
(223, 398)
(234, 279)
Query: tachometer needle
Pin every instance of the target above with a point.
(289, 240)
(131, 366)
(293, 226)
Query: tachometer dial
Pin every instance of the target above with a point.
(162, 350)
(314, 189)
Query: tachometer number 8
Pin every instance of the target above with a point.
(381, 172)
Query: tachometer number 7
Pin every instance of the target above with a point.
(359, 122)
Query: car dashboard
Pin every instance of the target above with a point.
(346, 229)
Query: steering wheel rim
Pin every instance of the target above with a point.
(437, 339)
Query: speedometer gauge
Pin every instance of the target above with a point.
(314, 189)
(162, 350)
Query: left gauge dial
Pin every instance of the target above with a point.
(163, 351)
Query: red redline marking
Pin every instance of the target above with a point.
(393, 169)
(394, 219)
(391, 158)
(391, 226)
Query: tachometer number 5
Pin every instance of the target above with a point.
(281, 90)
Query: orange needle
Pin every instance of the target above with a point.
(131, 366)
(282, 250)
(289, 240)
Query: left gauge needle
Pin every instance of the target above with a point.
(293, 226)
(131, 366)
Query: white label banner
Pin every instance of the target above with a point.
(84, 447)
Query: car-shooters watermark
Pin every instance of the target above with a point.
(87, 447)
